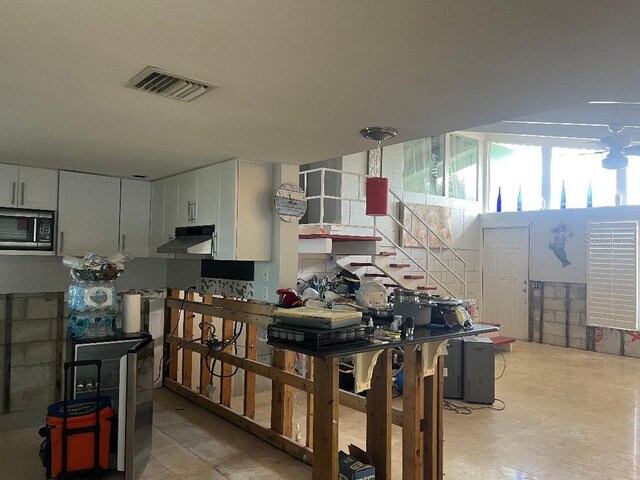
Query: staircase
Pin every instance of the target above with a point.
(370, 246)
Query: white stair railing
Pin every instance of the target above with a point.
(433, 254)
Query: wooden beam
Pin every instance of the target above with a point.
(295, 381)
(281, 394)
(310, 362)
(433, 424)
(205, 375)
(413, 412)
(279, 441)
(241, 312)
(174, 330)
(187, 356)
(379, 417)
(251, 353)
(226, 369)
(358, 403)
(325, 428)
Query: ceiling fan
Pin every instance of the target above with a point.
(617, 146)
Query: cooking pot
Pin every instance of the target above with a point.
(413, 303)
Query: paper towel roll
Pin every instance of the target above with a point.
(131, 312)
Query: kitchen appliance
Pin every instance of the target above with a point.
(413, 303)
(31, 230)
(195, 240)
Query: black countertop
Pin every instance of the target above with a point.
(421, 335)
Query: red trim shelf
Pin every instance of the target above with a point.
(339, 238)
(399, 265)
(499, 341)
(427, 287)
(387, 254)
(361, 264)
(413, 277)
(376, 275)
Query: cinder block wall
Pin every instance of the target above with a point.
(31, 327)
(558, 316)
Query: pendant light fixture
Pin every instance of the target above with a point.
(377, 192)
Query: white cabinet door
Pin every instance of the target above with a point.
(38, 188)
(186, 198)
(135, 203)
(157, 237)
(9, 185)
(206, 205)
(88, 214)
(170, 208)
(227, 189)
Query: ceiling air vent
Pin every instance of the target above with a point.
(155, 80)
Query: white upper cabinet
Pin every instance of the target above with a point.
(187, 190)
(157, 237)
(226, 229)
(88, 214)
(28, 187)
(9, 181)
(135, 201)
(206, 205)
(171, 186)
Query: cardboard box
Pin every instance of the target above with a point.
(353, 469)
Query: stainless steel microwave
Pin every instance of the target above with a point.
(26, 229)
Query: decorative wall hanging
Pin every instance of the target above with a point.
(561, 234)
(438, 217)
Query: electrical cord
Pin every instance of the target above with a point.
(220, 348)
(468, 410)
(504, 366)
(173, 332)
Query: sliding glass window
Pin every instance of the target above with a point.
(424, 165)
(512, 167)
(463, 168)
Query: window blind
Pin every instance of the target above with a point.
(612, 288)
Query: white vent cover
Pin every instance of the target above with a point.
(612, 291)
(156, 80)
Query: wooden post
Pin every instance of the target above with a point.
(310, 362)
(325, 428)
(225, 369)
(187, 356)
(379, 417)
(282, 395)
(251, 352)
(413, 413)
(175, 331)
(205, 375)
(433, 429)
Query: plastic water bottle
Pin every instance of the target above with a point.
(589, 196)
(563, 197)
(499, 203)
(520, 199)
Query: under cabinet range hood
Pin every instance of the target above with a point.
(200, 240)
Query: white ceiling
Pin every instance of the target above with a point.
(298, 79)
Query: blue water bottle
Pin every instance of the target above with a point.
(589, 196)
(499, 203)
(563, 197)
(520, 199)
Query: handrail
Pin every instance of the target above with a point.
(426, 225)
(405, 229)
(360, 197)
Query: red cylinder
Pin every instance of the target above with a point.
(377, 196)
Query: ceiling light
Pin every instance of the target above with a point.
(139, 176)
(612, 102)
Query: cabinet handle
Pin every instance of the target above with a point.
(195, 212)
(189, 211)
(23, 189)
(61, 242)
(214, 245)
(123, 238)
(13, 193)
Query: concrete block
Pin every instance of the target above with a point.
(561, 291)
(536, 315)
(548, 315)
(555, 304)
(537, 292)
(549, 290)
(578, 306)
(33, 376)
(33, 307)
(561, 317)
(30, 331)
(578, 343)
(552, 328)
(582, 292)
(551, 339)
(3, 309)
(537, 303)
(33, 397)
(39, 352)
(576, 318)
(578, 332)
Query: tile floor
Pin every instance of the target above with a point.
(569, 415)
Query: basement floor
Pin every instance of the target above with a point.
(569, 415)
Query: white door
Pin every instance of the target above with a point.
(505, 286)
(38, 188)
(134, 217)
(8, 185)
(88, 214)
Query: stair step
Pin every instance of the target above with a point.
(399, 265)
(499, 341)
(427, 287)
(340, 238)
(413, 277)
(376, 275)
(392, 285)
(361, 264)
(387, 254)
